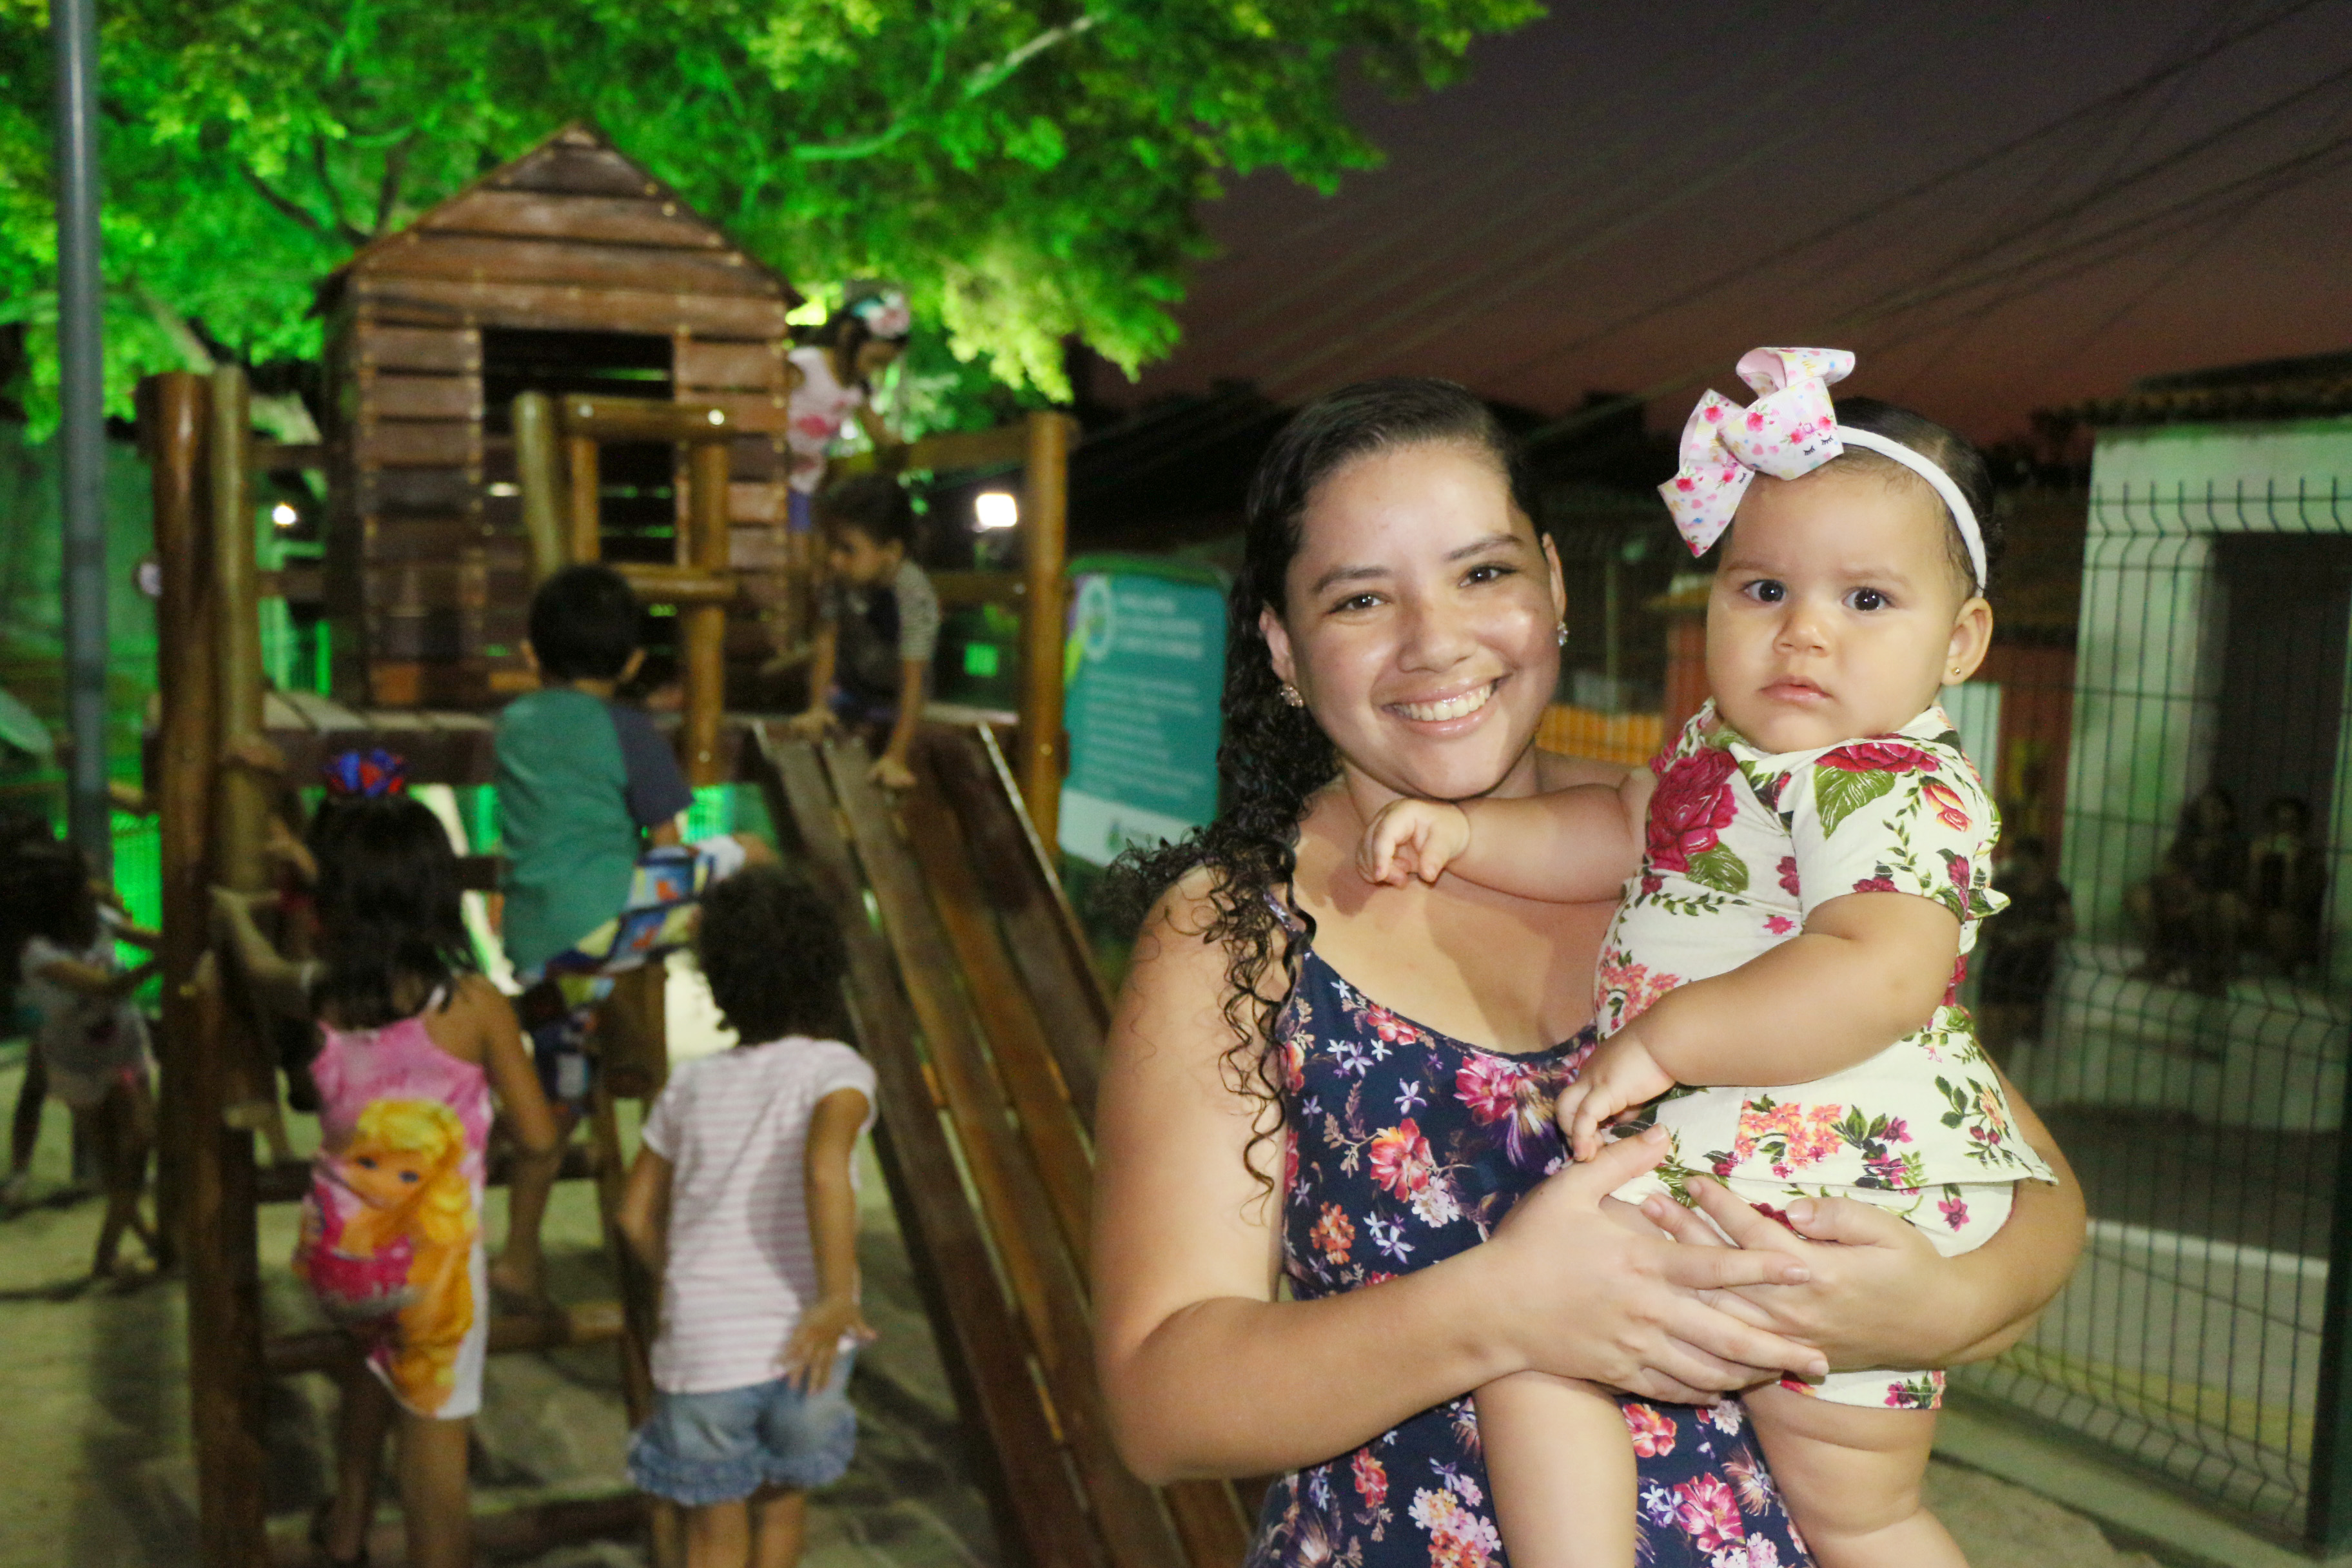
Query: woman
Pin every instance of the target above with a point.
(1395, 631)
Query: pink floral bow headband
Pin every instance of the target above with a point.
(1787, 432)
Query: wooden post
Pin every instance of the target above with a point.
(242, 805)
(703, 627)
(538, 472)
(173, 425)
(587, 539)
(1044, 517)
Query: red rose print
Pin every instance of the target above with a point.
(1878, 757)
(1692, 807)
(1333, 1234)
(1788, 876)
(1371, 1479)
(1955, 1212)
(1875, 885)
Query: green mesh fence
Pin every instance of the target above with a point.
(2186, 1041)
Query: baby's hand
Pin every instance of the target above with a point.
(1617, 1077)
(1412, 839)
(808, 1358)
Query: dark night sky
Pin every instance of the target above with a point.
(1536, 227)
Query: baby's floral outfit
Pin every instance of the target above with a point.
(1403, 1147)
(1743, 846)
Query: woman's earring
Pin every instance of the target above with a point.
(1560, 632)
(1290, 695)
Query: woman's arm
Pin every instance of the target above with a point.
(1207, 1375)
(1882, 1295)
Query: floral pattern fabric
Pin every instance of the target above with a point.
(1743, 847)
(1404, 1147)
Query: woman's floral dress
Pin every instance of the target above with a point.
(1403, 1148)
(1743, 847)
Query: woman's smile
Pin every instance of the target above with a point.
(1448, 709)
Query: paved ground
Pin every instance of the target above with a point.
(98, 1471)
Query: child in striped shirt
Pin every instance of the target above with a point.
(744, 1199)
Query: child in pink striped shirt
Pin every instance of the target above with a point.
(743, 1198)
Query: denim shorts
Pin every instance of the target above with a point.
(703, 1448)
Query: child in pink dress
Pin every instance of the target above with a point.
(1780, 977)
(414, 1044)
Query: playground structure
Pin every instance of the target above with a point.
(974, 995)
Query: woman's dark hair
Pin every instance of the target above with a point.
(875, 505)
(583, 624)
(1274, 756)
(1950, 451)
(391, 918)
(773, 954)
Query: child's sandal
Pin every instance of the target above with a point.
(326, 1559)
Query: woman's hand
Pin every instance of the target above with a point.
(1598, 1295)
(1880, 1295)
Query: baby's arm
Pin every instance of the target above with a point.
(1568, 846)
(1868, 969)
(832, 1206)
(94, 981)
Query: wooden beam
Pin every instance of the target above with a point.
(641, 419)
(703, 636)
(1040, 1515)
(1017, 876)
(453, 302)
(174, 420)
(1004, 447)
(1044, 1275)
(1044, 516)
(682, 584)
(958, 590)
(539, 473)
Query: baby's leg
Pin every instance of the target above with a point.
(1561, 1467)
(1851, 1474)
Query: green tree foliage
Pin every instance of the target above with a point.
(1030, 168)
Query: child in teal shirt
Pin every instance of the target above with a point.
(597, 878)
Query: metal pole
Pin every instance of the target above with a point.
(82, 399)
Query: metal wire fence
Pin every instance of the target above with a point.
(2175, 1001)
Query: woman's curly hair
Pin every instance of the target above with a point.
(1274, 756)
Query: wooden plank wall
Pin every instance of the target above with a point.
(428, 582)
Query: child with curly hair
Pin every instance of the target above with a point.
(743, 1197)
(413, 1044)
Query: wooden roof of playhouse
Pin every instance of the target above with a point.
(560, 271)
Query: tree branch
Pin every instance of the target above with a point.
(387, 193)
(344, 230)
(981, 81)
(285, 204)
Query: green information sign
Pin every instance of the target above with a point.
(1147, 669)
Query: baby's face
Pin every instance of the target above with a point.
(1836, 613)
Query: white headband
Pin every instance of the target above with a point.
(1789, 431)
(1971, 532)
